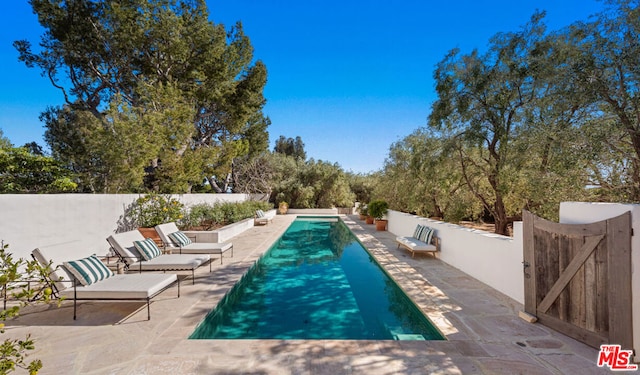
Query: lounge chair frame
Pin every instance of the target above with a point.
(170, 245)
(57, 293)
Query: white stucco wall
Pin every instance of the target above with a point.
(28, 221)
(491, 258)
(585, 212)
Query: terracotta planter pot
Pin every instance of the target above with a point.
(151, 233)
(362, 217)
(381, 225)
(369, 220)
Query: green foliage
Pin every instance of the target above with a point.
(310, 184)
(603, 55)
(154, 209)
(13, 276)
(157, 97)
(4, 141)
(362, 186)
(24, 172)
(290, 147)
(378, 208)
(208, 216)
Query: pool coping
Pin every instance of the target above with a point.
(486, 336)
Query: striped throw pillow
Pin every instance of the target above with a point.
(426, 235)
(179, 238)
(418, 231)
(88, 270)
(147, 248)
(260, 213)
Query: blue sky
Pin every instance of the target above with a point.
(349, 77)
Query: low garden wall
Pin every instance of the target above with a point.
(30, 220)
(494, 259)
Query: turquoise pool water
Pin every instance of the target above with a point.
(316, 282)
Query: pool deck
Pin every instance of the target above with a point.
(485, 334)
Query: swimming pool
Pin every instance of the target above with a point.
(316, 282)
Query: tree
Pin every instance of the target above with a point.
(24, 172)
(310, 184)
(160, 66)
(604, 63)
(290, 147)
(483, 102)
(4, 141)
(422, 176)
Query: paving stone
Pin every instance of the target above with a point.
(482, 326)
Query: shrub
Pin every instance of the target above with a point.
(220, 214)
(153, 209)
(378, 208)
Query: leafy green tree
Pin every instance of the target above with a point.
(4, 141)
(290, 147)
(422, 176)
(483, 103)
(24, 172)
(362, 185)
(160, 66)
(604, 63)
(310, 184)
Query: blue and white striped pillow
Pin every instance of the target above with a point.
(179, 238)
(418, 231)
(260, 213)
(426, 235)
(147, 248)
(88, 270)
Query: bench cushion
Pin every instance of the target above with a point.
(206, 248)
(124, 286)
(415, 245)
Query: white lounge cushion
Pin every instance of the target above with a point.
(126, 286)
(165, 231)
(206, 248)
(170, 262)
(415, 244)
(123, 244)
(58, 254)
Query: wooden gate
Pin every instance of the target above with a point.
(578, 278)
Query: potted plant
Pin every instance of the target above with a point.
(154, 209)
(363, 211)
(283, 207)
(377, 209)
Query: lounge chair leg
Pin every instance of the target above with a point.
(193, 275)
(148, 309)
(74, 309)
(178, 288)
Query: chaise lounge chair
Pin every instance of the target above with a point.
(186, 242)
(77, 276)
(261, 218)
(422, 241)
(134, 258)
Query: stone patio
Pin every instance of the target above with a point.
(485, 334)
